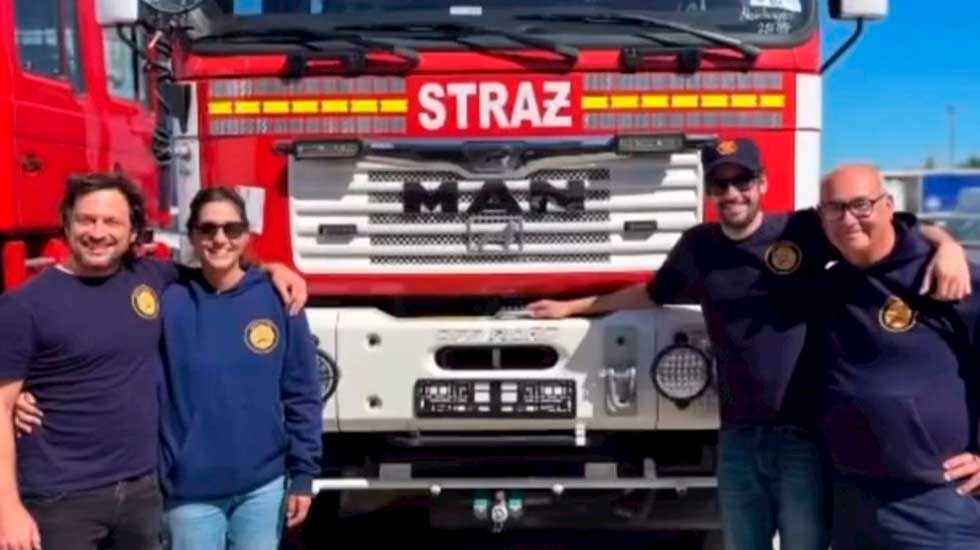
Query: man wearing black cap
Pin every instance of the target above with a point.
(748, 272)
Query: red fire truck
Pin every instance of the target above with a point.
(432, 166)
(71, 100)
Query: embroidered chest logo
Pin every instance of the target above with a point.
(145, 302)
(261, 336)
(784, 257)
(896, 315)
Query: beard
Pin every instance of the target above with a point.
(741, 220)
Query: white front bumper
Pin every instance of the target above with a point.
(381, 357)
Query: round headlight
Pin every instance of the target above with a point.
(681, 373)
(329, 373)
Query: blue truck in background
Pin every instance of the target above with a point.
(950, 198)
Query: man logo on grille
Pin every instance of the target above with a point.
(494, 196)
(503, 234)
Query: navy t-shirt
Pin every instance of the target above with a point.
(89, 351)
(750, 294)
(901, 393)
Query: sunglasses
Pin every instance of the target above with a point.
(742, 182)
(232, 230)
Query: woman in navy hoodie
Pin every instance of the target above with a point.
(241, 422)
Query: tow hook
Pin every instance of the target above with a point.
(504, 508)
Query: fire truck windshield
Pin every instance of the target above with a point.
(768, 22)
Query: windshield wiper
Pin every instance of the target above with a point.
(296, 61)
(749, 51)
(457, 31)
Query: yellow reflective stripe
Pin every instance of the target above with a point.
(364, 106)
(275, 107)
(772, 101)
(306, 106)
(309, 106)
(219, 108)
(595, 102)
(745, 101)
(655, 102)
(684, 101)
(247, 107)
(625, 101)
(394, 105)
(714, 101)
(335, 106)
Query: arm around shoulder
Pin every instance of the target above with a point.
(948, 273)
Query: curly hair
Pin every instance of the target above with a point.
(81, 185)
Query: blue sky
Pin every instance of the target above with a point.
(885, 101)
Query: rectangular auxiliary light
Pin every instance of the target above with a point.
(640, 226)
(337, 230)
(662, 143)
(329, 149)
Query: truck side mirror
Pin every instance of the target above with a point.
(858, 9)
(117, 12)
(127, 12)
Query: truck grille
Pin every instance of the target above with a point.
(492, 259)
(434, 218)
(353, 219)
(460, 240)
(467, 197)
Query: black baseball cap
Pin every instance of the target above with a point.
(740, 152)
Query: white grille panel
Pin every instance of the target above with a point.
(351, 218)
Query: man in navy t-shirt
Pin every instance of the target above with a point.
(84, 339)
(901, 393)
(749, 273)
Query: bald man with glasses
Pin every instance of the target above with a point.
(899, 406)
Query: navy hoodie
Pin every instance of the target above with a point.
(242, 401)
(901, 395)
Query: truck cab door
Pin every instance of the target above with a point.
(54, 120)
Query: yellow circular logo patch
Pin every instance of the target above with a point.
(145, 302)
(896, 315)
(727, 147)
(784, 257)
(261, 336)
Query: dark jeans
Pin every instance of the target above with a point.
(872, 515)
(124, 516)
(772, 479)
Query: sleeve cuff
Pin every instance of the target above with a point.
(301, 484)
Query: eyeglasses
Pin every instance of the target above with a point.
(861, 207)
(232, 230)
(742, 182)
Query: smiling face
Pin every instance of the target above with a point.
(737, 195)
(856, 212)
(220, 235)
(99, 232)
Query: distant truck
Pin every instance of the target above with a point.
(947, 197)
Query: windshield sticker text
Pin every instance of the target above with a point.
(788, 5)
